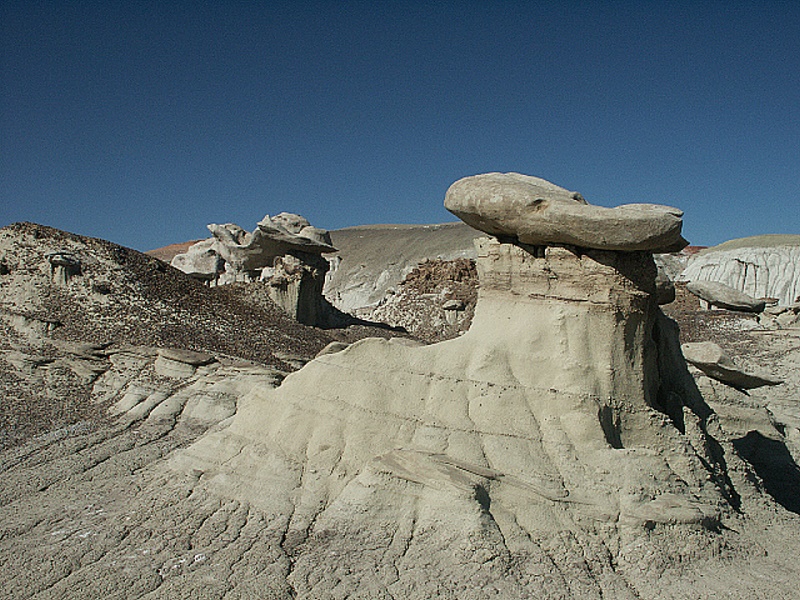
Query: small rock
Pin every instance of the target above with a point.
(454, 305)
(189, 357)
(787, 320)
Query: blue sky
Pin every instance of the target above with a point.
(140, 122)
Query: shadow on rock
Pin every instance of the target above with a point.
(773, 463)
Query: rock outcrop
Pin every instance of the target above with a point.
(373, 259)
(68, 303)
(763, 266)
(284, 251)
(435, 302)
(557, 450)
(566, 406)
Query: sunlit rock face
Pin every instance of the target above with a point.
(565, 407)
(284, 251)
(534, 211)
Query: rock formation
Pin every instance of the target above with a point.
(712, 360)
(557, 450)
(285, 251)
(720, 295)
(763, 266)
(566, 406)
(536, 212)
(435, 302)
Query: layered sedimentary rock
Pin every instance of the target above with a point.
(763, 267)
(284, 250)
(566, 407)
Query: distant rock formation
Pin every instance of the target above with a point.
(765, 266)
(372, 259)
(284, 251)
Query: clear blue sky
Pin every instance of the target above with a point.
(140, 122)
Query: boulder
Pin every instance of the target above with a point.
(176, 363)
(712, 360)
(454, 305)
(332, 348)
(536, 212)
(724, 296)
(202, 261)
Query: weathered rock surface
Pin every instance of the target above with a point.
(56, 336)
(375, 258)
(537, 212)
(435, 302)
(556, 411)
(762, 266)
(283, 251)
(724, 296)
(712, 360)
(559, 449)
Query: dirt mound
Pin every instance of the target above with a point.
(124, 296)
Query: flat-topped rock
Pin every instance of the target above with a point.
(724, 296)
(712, 360)
(536, 212)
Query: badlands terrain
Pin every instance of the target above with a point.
(532, 431)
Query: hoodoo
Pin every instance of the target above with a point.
(566, 410)
(284, 251)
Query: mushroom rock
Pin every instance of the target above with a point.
(534, 211)
(63, 266)
(566, 407)
(284, 250)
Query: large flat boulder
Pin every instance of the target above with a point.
(724, 296)
(712, 360)
(536, 212)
